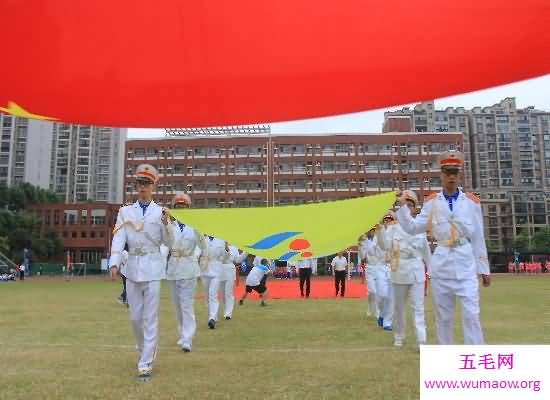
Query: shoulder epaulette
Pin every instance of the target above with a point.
(473, 197)
(431, 197)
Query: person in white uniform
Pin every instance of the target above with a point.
(340, 265)
(374, 258)
(227, 278)
(384, 288)
(456, 222)
(212, 258)
(182, 273)
(143, 226)
(409, 256)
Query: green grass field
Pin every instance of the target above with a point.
(71, 340)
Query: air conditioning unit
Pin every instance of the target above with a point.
(362, 190)
(309, 173)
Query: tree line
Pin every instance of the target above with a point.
(20, 229)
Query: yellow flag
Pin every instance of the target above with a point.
(291, 232)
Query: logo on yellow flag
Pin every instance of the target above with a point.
(291, 232)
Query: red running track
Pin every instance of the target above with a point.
(321, 288)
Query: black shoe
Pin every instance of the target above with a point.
(241, 302)
(263, 304)
(212, 324)
(228, 318)
(186, 349)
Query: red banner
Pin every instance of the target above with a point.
(173, 63)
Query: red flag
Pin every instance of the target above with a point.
(173, 63)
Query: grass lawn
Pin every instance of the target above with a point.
(71, 340)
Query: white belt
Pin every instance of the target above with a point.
(139, 251)
(181, 253)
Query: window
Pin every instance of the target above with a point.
(70, 217)
(98, 217)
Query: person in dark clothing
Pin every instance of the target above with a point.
(304, 271)
(340, 266)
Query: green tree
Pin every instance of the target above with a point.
(4, 245)
(491, 248)
(541, 240)
(20, 228)
(521, 243)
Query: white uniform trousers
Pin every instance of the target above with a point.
(370, 276)
(183, 292)
(416, 293)
(143, 300)
(444, 292)
(211, 285)
(226, 286)
(384, 294)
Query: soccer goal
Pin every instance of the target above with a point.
(77, 269)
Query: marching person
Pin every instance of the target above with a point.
(340, 266)
(384, 288)
(456, 223)
(373, 257)
(409, 256)
(143, 226)
(212, 257)
(182, 272)
(227, 278)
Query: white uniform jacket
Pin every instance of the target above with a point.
(409, 254)
(212, 257)
(371, 250)
(461, 252)
(144, 235)
(183, 262)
